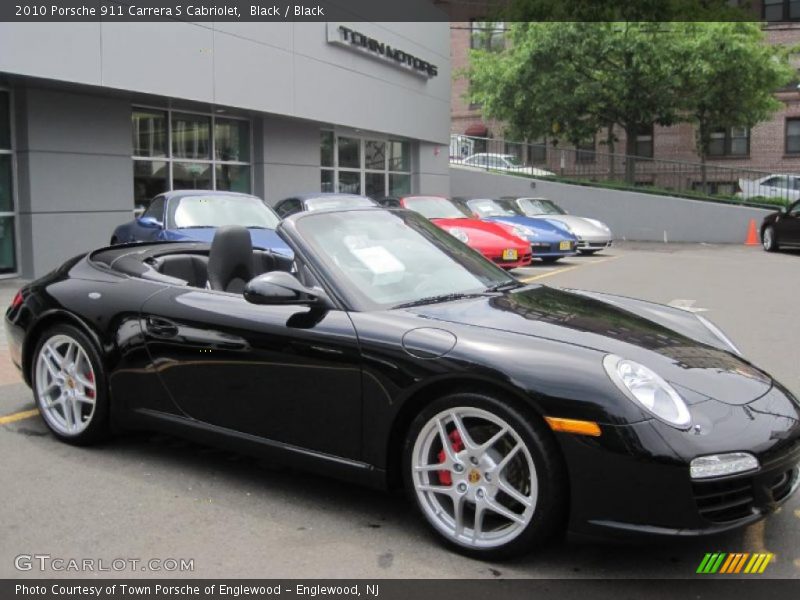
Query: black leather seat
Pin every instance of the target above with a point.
(230, 261)
(192, 268)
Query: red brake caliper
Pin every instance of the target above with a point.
(445, 478)
(90, 393)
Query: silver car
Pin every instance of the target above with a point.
(593, 235)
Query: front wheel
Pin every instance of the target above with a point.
(588, 252)
(550, 259)
(768, 239)
(69, 386)
(487, 479)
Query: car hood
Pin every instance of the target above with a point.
(482, 233)
(580, 226)
(544, 227)
(698, 370)
(262, 238)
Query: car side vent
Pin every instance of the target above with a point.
(725, 501)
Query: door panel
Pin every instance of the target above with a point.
(789, 226)
(287, 373)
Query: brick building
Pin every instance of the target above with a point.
(772, 146)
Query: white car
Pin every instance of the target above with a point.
(503, 162)
(771, 186)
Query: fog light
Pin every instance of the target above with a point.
(719, 465)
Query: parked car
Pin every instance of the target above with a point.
(593, 235)
(501, 243)
(771, 186)
(781, 229)
(320, 201)
(194, 215)
(503, 162)
(549, 241)
(387, 355)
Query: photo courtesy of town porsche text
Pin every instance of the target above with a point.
(206, 590)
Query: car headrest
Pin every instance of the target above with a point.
(230, 261)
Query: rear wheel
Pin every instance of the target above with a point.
(486, 478)
(769, 239)
(69, 386)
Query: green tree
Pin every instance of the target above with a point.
(572, 79)
(730, 77)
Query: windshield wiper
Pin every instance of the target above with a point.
(441, 298)
(259, 227)
(505, 286)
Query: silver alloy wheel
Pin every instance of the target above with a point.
(66, 387)
(493, 487)
(767, 241)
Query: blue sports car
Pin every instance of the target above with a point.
(549, 240)
(194, 215)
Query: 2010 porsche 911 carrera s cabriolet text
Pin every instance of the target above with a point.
(389, 353)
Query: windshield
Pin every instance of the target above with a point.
(512, 160)
(433, 207)
(539, 206)
(333, 202)
(218, 210)
(489, 208)
(386, 258)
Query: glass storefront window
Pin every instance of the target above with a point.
(150, 178)
(349, 153)
(349, 182)
(232, 140)
(5, 121)
(326, 149)
(374, 155)
(399, 156)
(399, 184)
(149, 133)
(326, 181)
(375, 185)
(191, 176)
(6, 184)
(8, 263)
(191, 136)
(233, 178)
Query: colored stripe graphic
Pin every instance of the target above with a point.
(733, 563)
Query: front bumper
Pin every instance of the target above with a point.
(523, 260)
(634, 479)
(539, 249)
(593, 244)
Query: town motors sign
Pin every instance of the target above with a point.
(360, 42)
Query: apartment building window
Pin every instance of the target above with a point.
(793, 136)
(487, 35)
(734, 141)
(780, 10)
(176, 150)
(8, 221)
(644, 142)
(363, 165)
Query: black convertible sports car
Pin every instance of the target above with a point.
(389, 353)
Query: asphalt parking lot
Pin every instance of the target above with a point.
(145, 496)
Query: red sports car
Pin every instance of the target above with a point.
(495, 241)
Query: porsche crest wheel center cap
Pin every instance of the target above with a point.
(474, 476)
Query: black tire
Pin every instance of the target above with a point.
(551, 259)
(769, 239)
(98, 427)
(550, 511)
(588, 252)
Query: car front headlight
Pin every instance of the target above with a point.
(459, 234)
(523, 232)
(647, 389)
(717, 333)
(560, 224)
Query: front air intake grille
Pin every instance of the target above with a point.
(725, 501)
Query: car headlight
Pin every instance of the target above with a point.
(717, 333)
(459, 234)
(648, 390)
(599, 224)
(523, 232)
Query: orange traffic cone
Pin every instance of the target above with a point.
(752, 234)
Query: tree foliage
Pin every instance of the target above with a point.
(569, 80)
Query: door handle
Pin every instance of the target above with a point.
(161, 328)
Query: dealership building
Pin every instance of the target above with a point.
(97, 118)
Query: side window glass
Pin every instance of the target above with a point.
(156, 210)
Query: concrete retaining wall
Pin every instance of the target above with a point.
(631, 215)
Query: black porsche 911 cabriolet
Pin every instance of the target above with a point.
(388, 353)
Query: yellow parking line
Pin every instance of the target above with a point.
(25, 414)
(565, 269)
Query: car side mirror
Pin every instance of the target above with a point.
(149, 222)
(280, 287)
